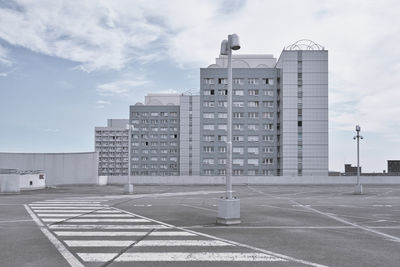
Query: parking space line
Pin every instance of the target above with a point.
(83, 215)
(91, 233)
(146, 243)
(105, 226)
(93, 220)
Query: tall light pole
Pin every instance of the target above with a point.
(358, 188)
(229, 207)
(129, 185)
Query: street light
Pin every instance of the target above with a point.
(129, 185)
(229, 207)
(358, 188)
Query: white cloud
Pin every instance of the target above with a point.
(102, 103)
(49, 130)
(4, 59)
(121, 87)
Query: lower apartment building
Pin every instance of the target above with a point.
(280, 119)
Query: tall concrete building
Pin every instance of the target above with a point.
(280, 113)
(280, 120)
(111, 143)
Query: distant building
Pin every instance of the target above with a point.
(350, 170)
(111, 143)
(393, 167)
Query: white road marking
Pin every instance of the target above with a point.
(89, 233)
(66, 202)
(196, 207)
(94, 220)
(176, 256)
(105, 227)
(146, 243)
(95, 211)
(69, 208)
(15, 221)
(66, 205)
(82, 215)
(288, 258)
(74, 262)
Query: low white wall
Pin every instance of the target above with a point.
(9, 183)
(60, 168)
(254, 180)
(32, 181)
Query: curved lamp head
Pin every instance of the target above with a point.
(234, 41)
(358, 128)
(224, 47)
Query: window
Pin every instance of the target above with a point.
(163, 129)
(223, 81)
(252, 172)
(253, 150)
(267, 161)
(154, 159)
(238, 162)
(174, 114)
(253, 115)
(268, 172)
(223, 104)
(208, 149)
(208, 115)
(253, 104)
(238, 114)
(237, 81)
(209, 138)
(253, 81)
(268, 138)
(209, 81)
(208, 127)
(221, 161)
(268, 127)
(237, 172)
(222, 138)
(252, 162)
(268, 115)
(222, 92)
(238, 127)
(238, 138)
(208, 92)
(268, 92)
(238, 104)
(209, 104)
(208, 172)
(252, 127)
(268, 150)
(268, 104)
(239, 150)
(222, 149)
(154, 114)
(253, 92)
(222, 127)
(208, 161)
(223, 115)
(222, 172)
(252, 138)
(238, 92)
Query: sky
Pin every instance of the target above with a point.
(68, 66)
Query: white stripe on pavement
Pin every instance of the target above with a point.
(66, 205)
(70, 208)
(95, 211)
(175, 256)
(82, 215)
(145, 243)
(106, 227)
(94, 220)
(158, 233)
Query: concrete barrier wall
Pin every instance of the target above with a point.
(255, 180)
(9, 183)
(60, 168)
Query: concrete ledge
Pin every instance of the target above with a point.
(9, 183)
(256, 180)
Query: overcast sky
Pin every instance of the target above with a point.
(67, 66)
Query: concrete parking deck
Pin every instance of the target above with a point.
(175, 226)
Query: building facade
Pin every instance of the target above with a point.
(393, 167)
(111, 143)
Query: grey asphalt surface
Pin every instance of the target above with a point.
(326, 225)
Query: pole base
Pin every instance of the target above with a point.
(128, 189)
(358, 189)
(228, 211)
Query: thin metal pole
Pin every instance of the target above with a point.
(129, 155)
(229, 125)
(358, 158)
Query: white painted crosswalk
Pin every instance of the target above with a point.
(85, 230)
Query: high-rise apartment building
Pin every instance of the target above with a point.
(111, 143)
(280, 120)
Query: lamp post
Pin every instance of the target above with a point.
(229, 207)
(129, 185)
(358, 187)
